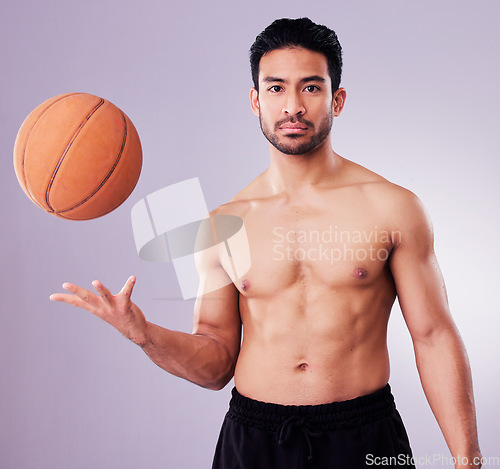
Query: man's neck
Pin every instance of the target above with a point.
(293, 174)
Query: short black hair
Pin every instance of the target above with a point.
(300, 32)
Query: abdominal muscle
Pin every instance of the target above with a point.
(307, 351)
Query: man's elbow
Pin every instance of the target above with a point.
(217, 385)
(435, 334)
(220, 372)
(435, 338)
(216, 381)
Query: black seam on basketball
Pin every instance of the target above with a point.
(26, 144)
(89, 218)
(66, 150)
(110, 172)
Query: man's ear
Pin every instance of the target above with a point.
(254, 101)
(338, 101)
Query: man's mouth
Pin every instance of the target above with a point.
(294, 128)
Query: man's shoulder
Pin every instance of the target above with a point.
(243, 201)
(359, 177)
(399, 204)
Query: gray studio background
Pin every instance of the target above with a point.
(422, 109)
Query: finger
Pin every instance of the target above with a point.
(128, 287)
(87, 296)
(70, 300)
(104, 293)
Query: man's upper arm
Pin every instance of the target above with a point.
(417, 276)
(216, 311)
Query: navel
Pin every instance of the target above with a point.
(303, 367)
(360, 272)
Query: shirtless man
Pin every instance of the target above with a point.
(331, 246)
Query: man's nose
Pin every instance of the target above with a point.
(293, 105)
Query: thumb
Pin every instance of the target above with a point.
(128, 287)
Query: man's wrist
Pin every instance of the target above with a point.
(469, 460)
(142, 338)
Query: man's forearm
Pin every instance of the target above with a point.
(196, 358)
(446, 379)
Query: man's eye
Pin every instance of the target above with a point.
(275, 89)
(312, 88)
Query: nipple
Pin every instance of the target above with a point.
(360, 272)
(245, 284)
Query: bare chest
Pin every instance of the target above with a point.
(331, 247)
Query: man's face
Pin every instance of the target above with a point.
(294, 104)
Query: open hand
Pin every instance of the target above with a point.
(117, 310)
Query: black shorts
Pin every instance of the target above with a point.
(360, 433)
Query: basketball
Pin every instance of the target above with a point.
(77, 156)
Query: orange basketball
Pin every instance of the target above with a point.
(77, 156)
